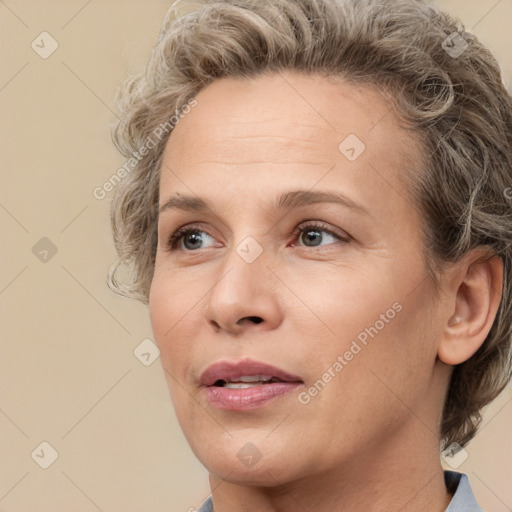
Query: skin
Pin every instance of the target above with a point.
(369, 439)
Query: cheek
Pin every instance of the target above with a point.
(175, 316)
(160, 303)
(351, 303)
(398, 359)
(382, 331)
(384, 380)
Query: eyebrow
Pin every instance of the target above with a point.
(291, 199)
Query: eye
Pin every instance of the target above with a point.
(311, 235)
(189, 236)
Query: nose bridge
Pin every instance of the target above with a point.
(242, 289)
(244, 272)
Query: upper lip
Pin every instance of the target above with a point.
(231, 370)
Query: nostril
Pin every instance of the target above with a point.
(255, 319)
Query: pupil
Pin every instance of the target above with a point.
(192, 236)
(312, 234)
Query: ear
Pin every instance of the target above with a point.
(474, 295)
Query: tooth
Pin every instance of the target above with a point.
(254, 378)
(240, 385)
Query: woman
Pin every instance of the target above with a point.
(318, 219)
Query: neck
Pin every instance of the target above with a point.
(403, 476)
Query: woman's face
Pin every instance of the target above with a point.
(333, 296)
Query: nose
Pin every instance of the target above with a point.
(245, 297)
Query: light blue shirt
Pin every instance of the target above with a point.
(457, 484)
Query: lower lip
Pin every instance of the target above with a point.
(248, 398)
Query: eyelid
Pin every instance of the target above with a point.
(343, 236)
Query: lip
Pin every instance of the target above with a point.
(232, 370)
(246, 398)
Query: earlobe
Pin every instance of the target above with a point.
(476, 293)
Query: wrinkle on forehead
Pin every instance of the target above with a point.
(300, 112)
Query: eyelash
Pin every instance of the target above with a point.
(180, 233)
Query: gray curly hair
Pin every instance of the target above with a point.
(455, 101)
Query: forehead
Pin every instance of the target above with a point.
(290, 111)
(288, 126)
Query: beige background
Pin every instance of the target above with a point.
(68, 373)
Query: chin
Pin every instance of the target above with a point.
(265, 473)
(249, 457)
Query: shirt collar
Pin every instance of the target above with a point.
(463, 498)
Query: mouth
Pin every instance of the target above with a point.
(246, 381)
(246, 372)
(246, 384)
